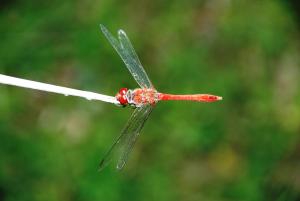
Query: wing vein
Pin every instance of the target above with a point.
(127, 53)
(125, 142)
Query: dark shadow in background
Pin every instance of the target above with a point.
(2, 194)
(6, 3)
(294, 6)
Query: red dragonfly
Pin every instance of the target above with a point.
(143, 99)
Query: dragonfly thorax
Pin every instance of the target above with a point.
(137, 97)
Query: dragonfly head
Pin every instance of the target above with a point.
(121, 96)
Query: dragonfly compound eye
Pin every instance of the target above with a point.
(121, 96)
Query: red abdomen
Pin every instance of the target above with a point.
(194, 97)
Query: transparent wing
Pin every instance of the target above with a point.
(127, 53)
(133, 131)
(124, 143)
(134, 66)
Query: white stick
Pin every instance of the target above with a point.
(4, 79)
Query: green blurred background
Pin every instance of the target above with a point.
(245, 147)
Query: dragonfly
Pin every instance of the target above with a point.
(143, 99)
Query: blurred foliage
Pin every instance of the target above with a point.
(243, 148)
